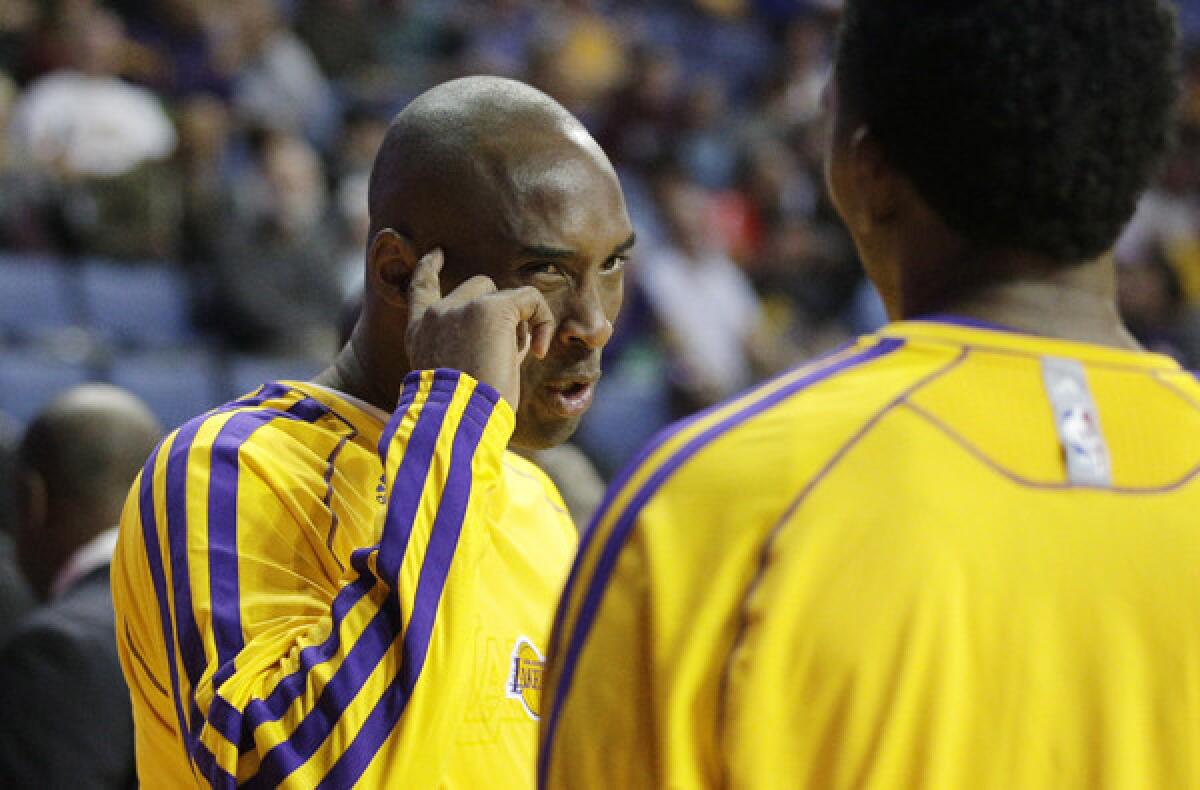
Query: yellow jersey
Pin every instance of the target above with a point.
(310, 594)
(948, 556)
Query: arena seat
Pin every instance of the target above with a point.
(30, 378)
(176, 386)
(141, 306)
(36, 296)
(247, 372)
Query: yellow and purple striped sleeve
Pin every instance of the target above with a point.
(281, 676)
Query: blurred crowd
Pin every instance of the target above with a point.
(231, 139)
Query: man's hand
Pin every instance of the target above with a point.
(476, 328)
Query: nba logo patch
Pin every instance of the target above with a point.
(525, 677)
(1077, 421)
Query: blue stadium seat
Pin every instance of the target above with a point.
(176, 386)
(36, 296)
(248, 372)
(143, 306)
(30, 379)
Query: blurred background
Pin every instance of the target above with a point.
(183, 189)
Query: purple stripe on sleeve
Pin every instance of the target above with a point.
(409, 482)
(627, 520)
(224, 585)
(447, 528)
(369, 649)
(158, 577)
(228, 720)
(408, 394)
(191, 645)
(381, 632)
(218, 778)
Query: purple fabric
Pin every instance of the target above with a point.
(627, 521)
(327, 500)
(224, 584)
(410, 477)
(158, 577)
(218, 778)
(447, 528)
(191, 646)
(381, 632)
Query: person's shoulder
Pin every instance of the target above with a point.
(279, 420)
(784, 429)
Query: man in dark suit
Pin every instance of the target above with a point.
(65, 718)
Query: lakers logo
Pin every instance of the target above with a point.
(525, 677)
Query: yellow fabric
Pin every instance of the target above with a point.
(873, 572)
(351, 622)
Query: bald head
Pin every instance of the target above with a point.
(75, 464)
(475, 156)
(510, 186)
(89, 444)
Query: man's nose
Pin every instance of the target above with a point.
(586, 323)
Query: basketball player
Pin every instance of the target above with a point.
(349, 581)
(961, 552)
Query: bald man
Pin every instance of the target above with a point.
(64, 707)
(350, 581)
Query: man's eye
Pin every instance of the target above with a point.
(615, 263)
(541, 268)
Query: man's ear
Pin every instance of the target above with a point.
(390, 264)
(877, 183)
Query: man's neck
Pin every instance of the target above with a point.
(351, 373)
(1071, 303)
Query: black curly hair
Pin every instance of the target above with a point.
(1028, 125)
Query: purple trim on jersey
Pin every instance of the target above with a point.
(228, 720)
(218, 778)
(408, 394)
(1044, 485)
(413, 470)
(372, 645)
(177, 542)
(284, 758)
(327, 500)
(369, 649)
(191, 645)
(623, 476)
(965, 321)
(158, 577)
(625, 524)
(223, 578)
(447, 528)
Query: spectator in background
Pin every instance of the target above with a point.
(100, 141)
(15, 597)
(277, 282)
(171, 49)
(65, 717)
(708, 312)
(279, 85)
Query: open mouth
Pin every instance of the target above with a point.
(571, 397)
